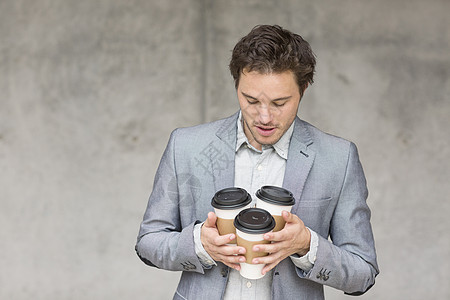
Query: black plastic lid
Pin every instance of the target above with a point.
(231, 198)
(276, 195)
(254, 221)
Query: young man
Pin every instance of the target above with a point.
(265, 143)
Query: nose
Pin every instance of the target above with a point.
(265, 115)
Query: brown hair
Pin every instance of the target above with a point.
(268, 49)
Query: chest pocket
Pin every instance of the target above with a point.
(316, 214)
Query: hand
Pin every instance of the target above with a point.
(216, 247)
(293, 238)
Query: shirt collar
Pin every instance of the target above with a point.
(241, 137)
(281, 147)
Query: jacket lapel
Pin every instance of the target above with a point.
(223, 152)
(299, 162)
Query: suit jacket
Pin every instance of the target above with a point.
(322, 171)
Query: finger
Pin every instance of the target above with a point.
(234, 266)
(293, 227)
(269, 267)
(229, 254)
(275, 236)
(211, 240)
(272, 259)
(211, 220)
(289, 217)
(269, 248)
(221, 240)
(231, 250)
(230, 260)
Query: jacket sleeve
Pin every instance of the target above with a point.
(163, 241)
(348, 262)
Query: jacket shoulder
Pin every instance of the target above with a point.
(198, 135)
(322, 141)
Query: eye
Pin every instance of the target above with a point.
(251, 101)
(279, 104)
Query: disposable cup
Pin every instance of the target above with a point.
(275, 199)
(227, 204)
(251, 225)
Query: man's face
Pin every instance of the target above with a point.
(269, 104)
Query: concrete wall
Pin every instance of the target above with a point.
(90, 90)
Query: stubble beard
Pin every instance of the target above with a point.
(254, 138)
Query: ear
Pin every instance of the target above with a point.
(303, 89)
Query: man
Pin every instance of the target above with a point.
(265, 143)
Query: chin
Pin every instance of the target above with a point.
(267, 141)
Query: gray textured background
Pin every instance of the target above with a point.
(90, 91)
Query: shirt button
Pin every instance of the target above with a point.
(249, 284)
(260, 168)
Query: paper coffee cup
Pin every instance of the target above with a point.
(251, 225)
(227, 204)
(275, 199)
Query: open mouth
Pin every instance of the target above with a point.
(265, 131)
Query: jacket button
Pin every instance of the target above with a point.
(224, 272)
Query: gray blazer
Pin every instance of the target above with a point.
(322, 171)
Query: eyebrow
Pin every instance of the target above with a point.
(276, 99)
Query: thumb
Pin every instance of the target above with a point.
(288, 217)
(211, 220)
